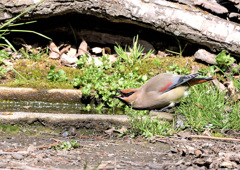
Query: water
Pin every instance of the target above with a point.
(42, 107)
(47, 107)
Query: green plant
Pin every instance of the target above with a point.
(147, 127)
(175, 68)
(207, 107)
(5, 29)
(3, 55)
(224, 60)
(32, 55)
(67, 145)
(56, 76)
(135, 55)
(180, 53)
(82, 61)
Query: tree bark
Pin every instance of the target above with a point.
(182, 21)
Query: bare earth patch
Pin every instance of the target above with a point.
(23, 151)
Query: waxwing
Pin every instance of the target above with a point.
(161, 91)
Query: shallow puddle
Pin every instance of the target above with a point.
(48, 107)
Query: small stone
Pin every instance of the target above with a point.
(17, 156)
(226, 165)
(65, 134)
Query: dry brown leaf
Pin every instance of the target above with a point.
(53, 47)
(10, 113)
(54, 51)
(26, 107)
(122, 130)
(109, 131)
(82, 49)
(231, 87)
(72, 52)
(112, 58)
(222, 88)
(97, 50)
(107, 50)
(65, 49)
(236, 77)
(198, 153)
(184, 134)
(195, 69)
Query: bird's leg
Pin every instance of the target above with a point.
(165, 108)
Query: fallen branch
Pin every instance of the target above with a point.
(214, 138)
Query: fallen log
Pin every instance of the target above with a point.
(188, 23)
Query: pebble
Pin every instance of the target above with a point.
(17, 156)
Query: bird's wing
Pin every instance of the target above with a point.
(177, 81)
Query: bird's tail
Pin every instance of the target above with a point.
(199, 80)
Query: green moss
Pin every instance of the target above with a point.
(9, 128)
(36, 72)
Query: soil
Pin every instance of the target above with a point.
(24, 151)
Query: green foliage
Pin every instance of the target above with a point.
(56, 76)
(82, 61)
(135, 53)
(67, 145)
(181, 50)
(32, 55)
(3, 54)
(5, 28)
(206, 107)
(104, 80)
(176, 69)
(224, 60)
(148, 127)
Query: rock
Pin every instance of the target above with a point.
(226, 164)
(161, 115)
(17, 156)
(205, 56)
(68, 61)
(65, 134)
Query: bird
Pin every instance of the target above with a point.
(160, 92)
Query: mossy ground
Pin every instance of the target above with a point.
(36, 71)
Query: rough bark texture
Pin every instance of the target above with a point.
(182, 21)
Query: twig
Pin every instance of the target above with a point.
(215, 138)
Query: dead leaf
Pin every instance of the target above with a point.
(65, 49)
(53, 47)
(230, 87)
(97, 50)
(99, 138)
(122, 130)
(107, 50)
(207, 132)
(72, 52)
(112, 58)
(54, 51)
(10, 113)
(198, 153)
(26, 107)
(195, 69)
(109, 131)
(68, 61)
(236, 77)
(82, 49)
(221, 87)
(184, 134)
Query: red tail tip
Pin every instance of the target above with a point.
(214, 77)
